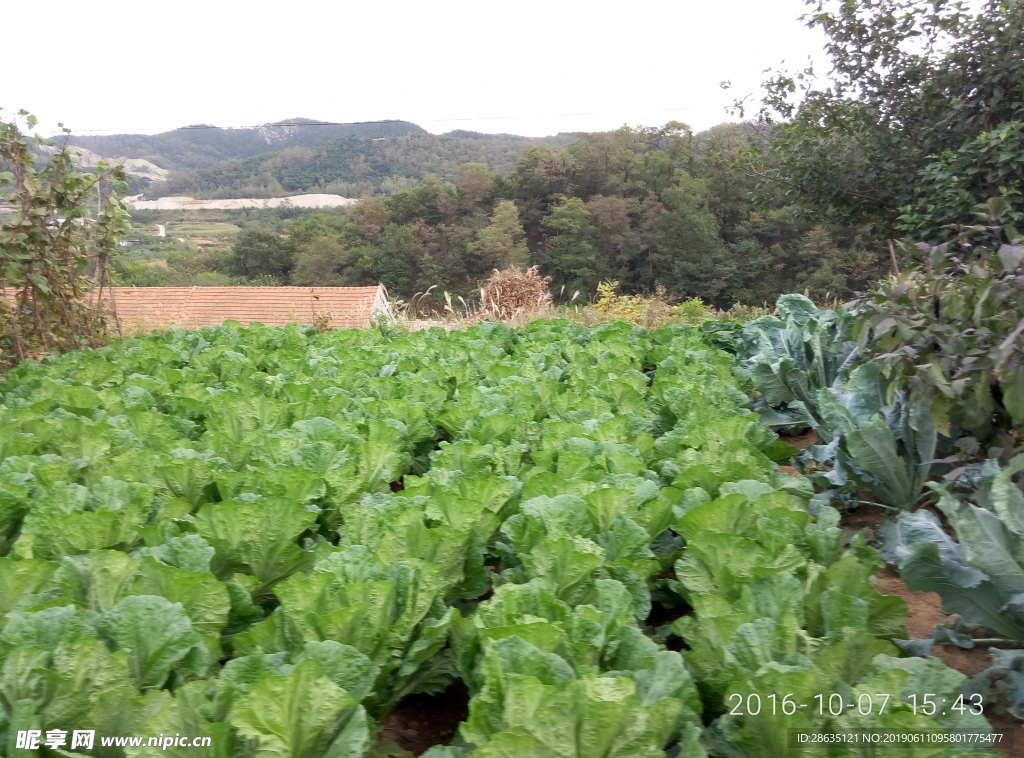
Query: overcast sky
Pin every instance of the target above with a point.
(531, 67)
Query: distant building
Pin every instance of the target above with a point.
(148, 308)
(192, 307)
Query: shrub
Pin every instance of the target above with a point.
(952, 331)
(54, 257)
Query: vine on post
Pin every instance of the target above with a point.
(54, 256)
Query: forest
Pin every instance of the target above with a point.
(353, 166)
(643, 206)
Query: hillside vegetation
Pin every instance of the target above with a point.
(199, 145)
(353, 165)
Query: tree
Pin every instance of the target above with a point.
(419, 201)
(540, 179)
(370, 215)
(502, 243)
(54, 256)
(630, 161)
(569, 256)
(301, 231)
(475, 183)
(914, 85)
(616, 240)
(396, 260)
(691, 259)
(257, 253)
(318, 263)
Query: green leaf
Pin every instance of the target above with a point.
(903, 677)
(186, 714)
(301, 714)
(260, 537)
(567, 564)
(204, 599)
(189, 552)
(667, 677)
(39, 283)
(155, 634)
(989, 547)
(873, 448)
(1011, 257)
(997, 206)
(20, 580)
(1007, 499)
(964, 590)
(240, 674)
(1012, 385)
(97, 580)
(47, 628)
(343, 665)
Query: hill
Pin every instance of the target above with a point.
(200, 145)
(353, 165)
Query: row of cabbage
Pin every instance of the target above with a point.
(948, 464)
(271, 536)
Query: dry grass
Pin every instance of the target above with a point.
(517, 297)
(512, 295)
(512, 292)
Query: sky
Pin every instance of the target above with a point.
(532, 67)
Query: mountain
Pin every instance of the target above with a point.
(140, 169)
(200, 145)
(353, 165)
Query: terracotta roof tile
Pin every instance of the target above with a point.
(192, 307)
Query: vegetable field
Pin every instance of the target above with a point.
(271, 536)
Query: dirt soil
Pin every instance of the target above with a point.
(422, 721)
(184, 202)
(799, 441)
(802, 440)
(924, 612)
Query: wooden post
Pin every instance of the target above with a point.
(892, 256)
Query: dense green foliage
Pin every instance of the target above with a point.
(917, 122)
(272, 536)
(177, 261)
(806, 371)
(975, 561)
(352, 166)
(981, 575)
(917, 132)
(953, 332)
(257, 253)
(269, 536)
(934, 385)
